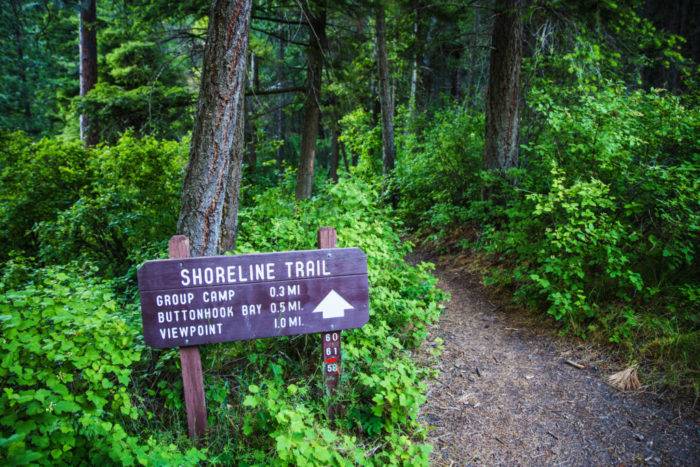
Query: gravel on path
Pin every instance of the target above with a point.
(505, 396)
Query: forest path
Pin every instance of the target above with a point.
(504, 394)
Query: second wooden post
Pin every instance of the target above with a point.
(331, 340)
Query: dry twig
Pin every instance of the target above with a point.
(574, 364)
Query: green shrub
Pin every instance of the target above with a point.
(37, 180)
(148, 110)
(141, 89)
(363, 142)
(266, 397)
(598, 225)
(438, 175)
(581, 255)
(132, 202)
(67, 354)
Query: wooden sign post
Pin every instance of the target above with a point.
(191, 363)
(186, 302)
(330, 340)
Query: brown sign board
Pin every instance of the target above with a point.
(204, 300)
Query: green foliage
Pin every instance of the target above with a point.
(581, 249)
(363, 141)
(37, 180)
(131, 203)
(277, 411)
(440, 173)
(60, 202)
(66, 364)
(134, 63)
(599, 225)
(144, 92)
(73, 346)
(147, 110)
(38, 64)
(271, 410)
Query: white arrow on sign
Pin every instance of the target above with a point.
(333, 306)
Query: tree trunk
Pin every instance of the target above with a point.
(229, 227)
(250, 130)
(312, 111)
(88, 67)
(213, 172)
(427, 71)
(24, 94)
(503, 94)
(414, 64)
(474, 60)
(279, 112)
(456, 79)
(346, 161)
(385, 97)
(335, 151)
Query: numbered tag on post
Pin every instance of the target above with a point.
(331, 359)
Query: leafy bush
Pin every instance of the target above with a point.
(148, 110)
(581, 250)
(60, 202)
(438, 175)
(598, 225)
(143, 90)
(266, 397)
(131, 203)
(363, 142)
(37, 180)
(66, 364)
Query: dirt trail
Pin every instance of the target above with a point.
(505, 396)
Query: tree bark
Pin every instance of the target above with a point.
(250, 129)
(317, 44)
(346, 161)
(88, 67)
(474, 62)
(24, 95)
(503, 93)
(414, 63)
(427, 71)
(335, 151)
(213, 172)
(229, 225)
(385, 97)
(279, 112)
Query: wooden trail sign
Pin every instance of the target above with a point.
(195, 301)
(186, 302)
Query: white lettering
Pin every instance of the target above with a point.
(197, 276)
(208, 276)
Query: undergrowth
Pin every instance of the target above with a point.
(597, 227)
(79, 383)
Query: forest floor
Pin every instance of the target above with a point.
(504, 393)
